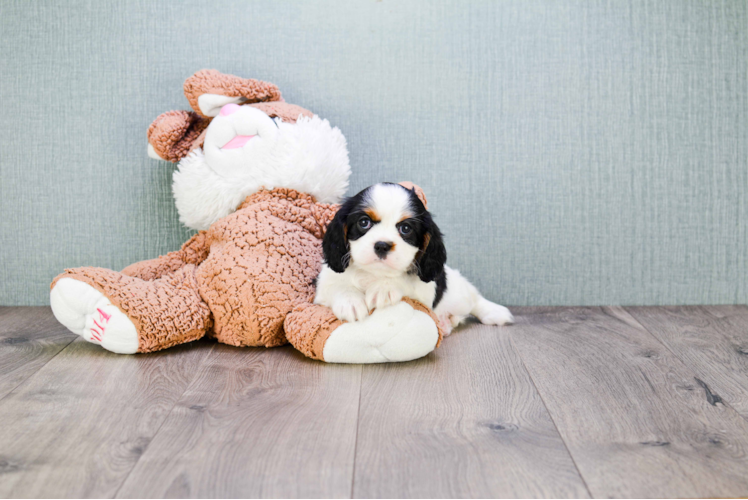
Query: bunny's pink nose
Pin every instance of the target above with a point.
(229, 109)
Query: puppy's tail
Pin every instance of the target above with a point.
(491, 314)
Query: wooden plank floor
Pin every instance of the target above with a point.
(569, 402)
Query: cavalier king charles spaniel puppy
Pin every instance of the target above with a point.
(383, 245)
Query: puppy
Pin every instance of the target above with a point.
(383, 245)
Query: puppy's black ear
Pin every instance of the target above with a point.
(335, 243)
(432, 255)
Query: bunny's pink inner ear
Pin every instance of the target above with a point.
(289, 113)
(419, 192)
(211, 104)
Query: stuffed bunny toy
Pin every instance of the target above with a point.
(259, 179)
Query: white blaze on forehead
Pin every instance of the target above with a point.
(388, 204)
(391, 202)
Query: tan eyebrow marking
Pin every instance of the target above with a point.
(373, 215)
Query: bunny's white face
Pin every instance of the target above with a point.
(245, 150)
(239, 139)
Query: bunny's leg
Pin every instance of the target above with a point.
(124, 314)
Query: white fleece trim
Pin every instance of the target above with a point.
(152, 153)
(395, 333)
(310, 156)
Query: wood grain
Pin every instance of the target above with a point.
(568, 401)
(711, 340)
(29, 338)
(466, 421)
(632, 414)
(256, 423)
(78, 426)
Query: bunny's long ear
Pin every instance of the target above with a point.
(174, 134)
(209, 90)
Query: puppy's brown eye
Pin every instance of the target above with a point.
(405, 229)
(364, 223)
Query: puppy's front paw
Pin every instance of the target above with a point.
(379, 296)
(445, 322)
(350, 308)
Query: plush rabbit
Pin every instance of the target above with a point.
(259, 179)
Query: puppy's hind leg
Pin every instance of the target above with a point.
(461, 298)
(490, 313)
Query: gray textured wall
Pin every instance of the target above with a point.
(574, 152)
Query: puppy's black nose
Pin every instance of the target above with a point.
(381, 248)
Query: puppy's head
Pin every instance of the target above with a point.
(385, 229)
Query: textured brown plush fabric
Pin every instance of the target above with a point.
(308, 327)
(210, 81)
(175, 133)
(242, 276)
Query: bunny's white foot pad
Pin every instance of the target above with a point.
(87, 312)
(394, 333)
